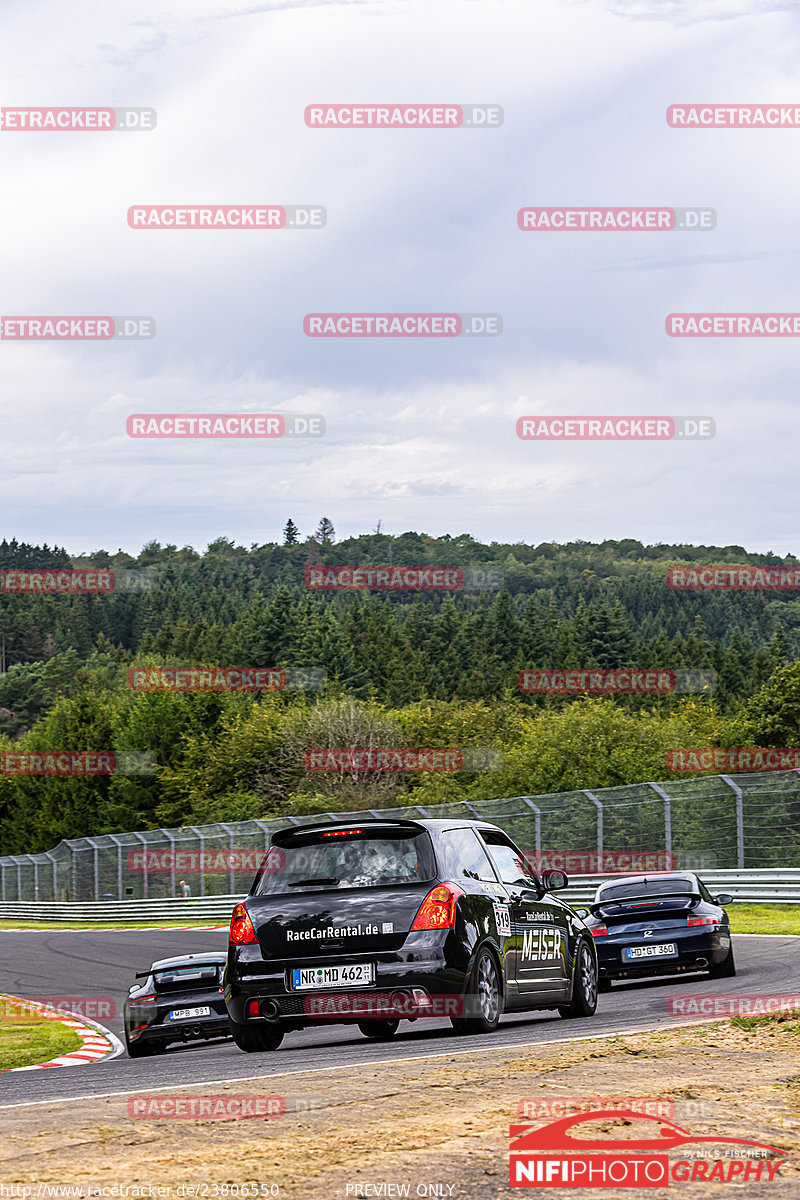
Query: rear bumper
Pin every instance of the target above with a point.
(266, 983)
(196, 1029)
(696, 952)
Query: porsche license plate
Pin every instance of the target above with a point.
(659, 950)
(186, 1014)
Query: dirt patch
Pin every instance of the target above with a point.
(430, 1123)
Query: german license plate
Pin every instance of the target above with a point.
(186, 1014)
(659, 950)
(309, 979)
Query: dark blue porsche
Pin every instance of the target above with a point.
(660, 924)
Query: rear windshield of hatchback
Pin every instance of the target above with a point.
(355, 860)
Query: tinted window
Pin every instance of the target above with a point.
(647, 887)
(368, 860)
(463, 857)
(510, 862)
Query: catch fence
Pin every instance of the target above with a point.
(724, 822)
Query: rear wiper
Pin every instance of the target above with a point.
(320, 879)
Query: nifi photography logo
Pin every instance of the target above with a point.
(561, 1154)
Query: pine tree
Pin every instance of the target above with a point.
(325, 533)
(291, 533)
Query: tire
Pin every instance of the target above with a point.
(584, 986)
(140, 1049)
(256, 1038)
(604, 985)
(378, 1030)
(724, 970)
(483, 996)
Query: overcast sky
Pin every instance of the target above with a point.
(420, 433)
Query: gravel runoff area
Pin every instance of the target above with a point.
(439, 1122)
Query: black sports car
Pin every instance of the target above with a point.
(377, 921)
(659, 925)
(180, 1000)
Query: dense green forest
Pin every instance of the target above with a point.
(411, 669)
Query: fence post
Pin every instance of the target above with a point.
(118, 844)
(231, 836)
(145, 876)
(96, 864)
(197, 829)
(35, 862)
(667, 814)
(595, 801)
(739, 820)
(48, 854)
(538, 826)
(74, 853)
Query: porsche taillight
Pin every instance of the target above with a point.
(600, 931)
(702, 921)
(438, 909)
(151, 999)
(241, 932)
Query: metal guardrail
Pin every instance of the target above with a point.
(756, 887)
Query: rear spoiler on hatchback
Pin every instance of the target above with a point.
(690, 898)
(296, 833)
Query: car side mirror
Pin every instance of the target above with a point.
(724, 898)
(583, 913)
(554, 880)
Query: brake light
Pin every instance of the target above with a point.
(342, 833)
(438, 909)
(241, 932)
(151, 999)
(702, 921)
(600, 931)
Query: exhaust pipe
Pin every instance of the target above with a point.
(269, 1010)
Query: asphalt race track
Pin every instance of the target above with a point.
(102, 964)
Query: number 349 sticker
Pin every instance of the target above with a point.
(503, 919)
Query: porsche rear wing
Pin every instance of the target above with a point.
(690, 898)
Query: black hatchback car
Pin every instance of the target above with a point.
(180, 1000)
(371, 922)
(661, 924)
